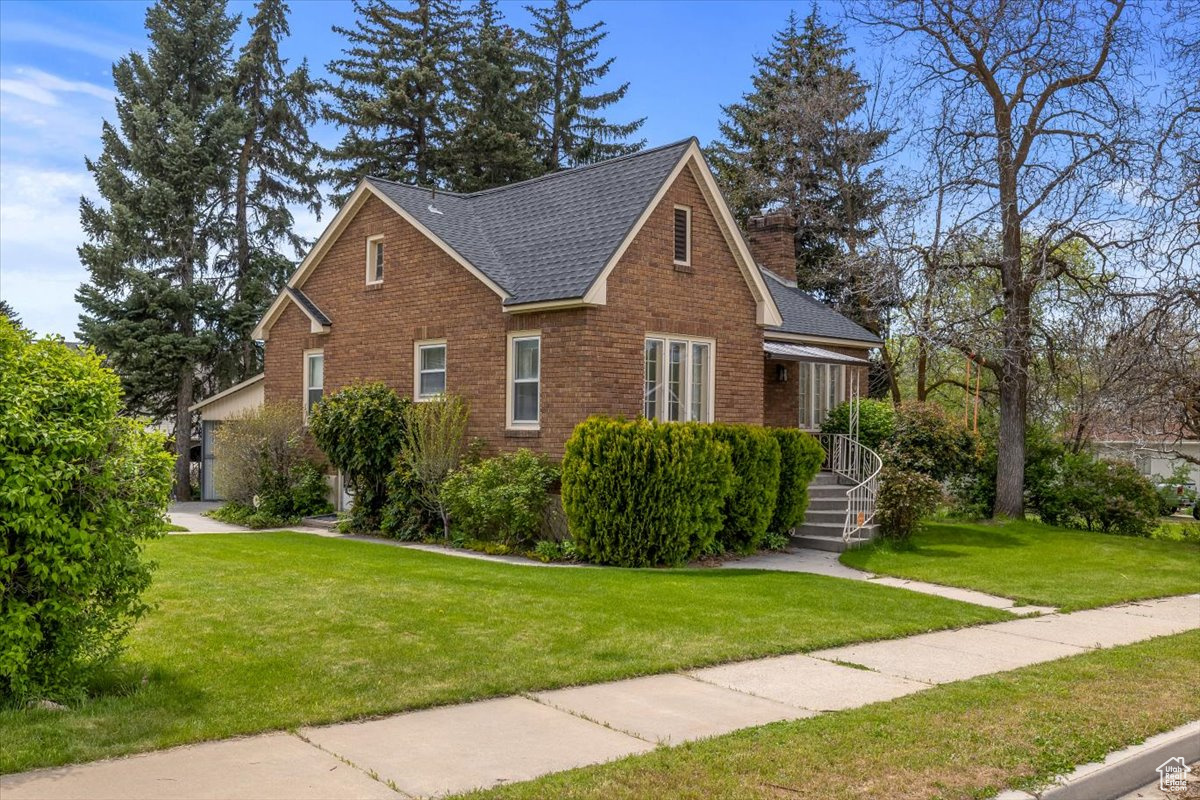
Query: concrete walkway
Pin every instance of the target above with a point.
(822, 562)
(456, 748)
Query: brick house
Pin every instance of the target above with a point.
(623, 287)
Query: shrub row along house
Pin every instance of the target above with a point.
(622, 288)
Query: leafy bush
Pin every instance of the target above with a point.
(405, 516)
(876, 421)
(262, 469)
(547, 551)
(776, 541)
(433, 449)
(800, 460)
(361, 429)
(751, 502)
(905, 498)
(643, 493)
(500, 499)
(81, 490)
(928, 441)
(1087, 492)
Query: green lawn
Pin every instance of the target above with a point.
(273, 630)
(963, 740)
(1038, 564)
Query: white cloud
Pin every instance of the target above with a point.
(44, 88)
(94, 43)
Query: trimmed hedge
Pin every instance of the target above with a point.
(801, 456)
(751, 502)
(641, 493)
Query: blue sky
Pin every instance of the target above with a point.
(683, 60)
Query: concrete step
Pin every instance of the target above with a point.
(829, 516)
(829, 537)
(830, 503)
(824, 479)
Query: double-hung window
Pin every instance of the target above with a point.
(430, 378)
(524, 379)
(374, 259)
(678, 379)
(314, 380)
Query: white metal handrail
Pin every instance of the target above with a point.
(855, 462)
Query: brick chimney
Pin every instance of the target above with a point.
(772, 239)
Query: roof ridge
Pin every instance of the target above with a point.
(582, 167)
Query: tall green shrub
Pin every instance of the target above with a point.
(876, 421)
(640, 493)
(81, 490)
(433, 447)
(751, 501)
(928, 441)
(361, 430)
(800, 459)
(905, 498)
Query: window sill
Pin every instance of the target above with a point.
(686, 268)
(522, 433)
(374, 286)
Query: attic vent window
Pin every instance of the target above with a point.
(683, 236)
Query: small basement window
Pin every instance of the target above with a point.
(683, 235)
(374, 259)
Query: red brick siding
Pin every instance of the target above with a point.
(591, 358)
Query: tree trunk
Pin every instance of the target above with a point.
(183, 436)
(1014, 376)
(242, 223)
(893, 384)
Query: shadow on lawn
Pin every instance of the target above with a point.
(947, 536)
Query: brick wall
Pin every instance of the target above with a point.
(781, 401)
(772, 240)
(592, 359)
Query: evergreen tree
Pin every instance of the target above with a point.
(564, 60)
(495, 134)
(7, 311)
(392, 94)
(275, 170)
(796, 143)
(151, 303)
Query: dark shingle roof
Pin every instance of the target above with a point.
(804, 316)
(308, 305)
(550, 237)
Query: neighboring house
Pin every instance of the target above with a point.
(1154, 457)
(623, 287)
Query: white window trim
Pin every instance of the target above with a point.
(306, 371)
(840, 394)
(687, 262)
(371, 241)
(510, 423)
(419, 345)
(663, 368)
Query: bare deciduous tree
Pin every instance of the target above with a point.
(1037, 127)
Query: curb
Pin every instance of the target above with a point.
(1122, 771)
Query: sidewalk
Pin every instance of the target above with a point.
(456, 748)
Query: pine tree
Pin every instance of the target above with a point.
(392, 94)
(151, 303)
(495, 133)
(796, 143)
(7, 311)
(274, 171)
(565, 67)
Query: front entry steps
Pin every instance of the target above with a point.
(826, 517)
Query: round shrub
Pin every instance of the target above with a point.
(800, 459)
(751, 501)
(81, 490)
(876, 421)
(928, 441)
(361, 429)
(905, 498)
(500, 499)
(642, 493)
